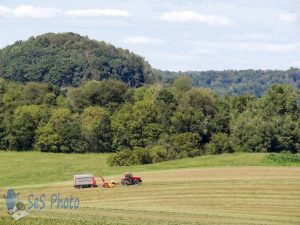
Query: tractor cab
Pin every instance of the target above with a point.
(127, 175)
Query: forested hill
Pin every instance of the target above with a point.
(237, 81)
(68, 59)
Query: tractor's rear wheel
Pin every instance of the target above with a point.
(136, 182)
(126, 182)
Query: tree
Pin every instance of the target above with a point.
(107, 93)
(252, 134)
(48, 140)
(279, 100)
(25, 121)
(184, 145)
(96, 129)
(64, 131)
(136, 125)
(194, 113)
(182, 84)
(35, 93)
(219, 144)
(166, 105)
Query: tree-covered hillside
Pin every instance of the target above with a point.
(237, 81)
(68, 59)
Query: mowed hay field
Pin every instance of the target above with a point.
(203, 195)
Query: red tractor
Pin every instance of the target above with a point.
(129, 179)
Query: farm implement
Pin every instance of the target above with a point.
(89, 181)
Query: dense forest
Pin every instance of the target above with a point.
(68, 59)
(236, 81)
(67, 93)
(148, 124)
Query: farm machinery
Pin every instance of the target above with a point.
(107, 183)
(88, 180)
(129, 179)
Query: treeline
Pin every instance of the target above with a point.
(68, 59)
(147, 124)
(239, 82)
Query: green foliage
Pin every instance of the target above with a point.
(107, 93)
(96, 129)
(35, 93)
(66, 59)
(136, 125)
(124, 157)
(284, 158)
(158, 154)
(21, 130)
(185, 145)
(219, 144)
(138, 155)
(61, 133)
(182, 84)
(240, 82)
(149, 124)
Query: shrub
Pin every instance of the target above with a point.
(124, 157)
(220, 143)
(158, 154)
(185, 145)
(284, 157)
(143, 155)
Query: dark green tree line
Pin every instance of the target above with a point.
(148, 124)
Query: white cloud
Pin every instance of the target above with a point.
(269, 47)
(192, 16)
(97, 12)
(288, 17)
(262, 47)
(29, 11)
(4, 11)
(142, 40)
(33, 12)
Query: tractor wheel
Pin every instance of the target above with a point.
(126, 182)
(136, 182)
(122, 182)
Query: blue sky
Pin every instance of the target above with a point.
(171, 35)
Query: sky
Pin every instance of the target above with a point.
(175, 35)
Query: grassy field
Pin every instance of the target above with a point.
(27, 168)
(229, 189)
